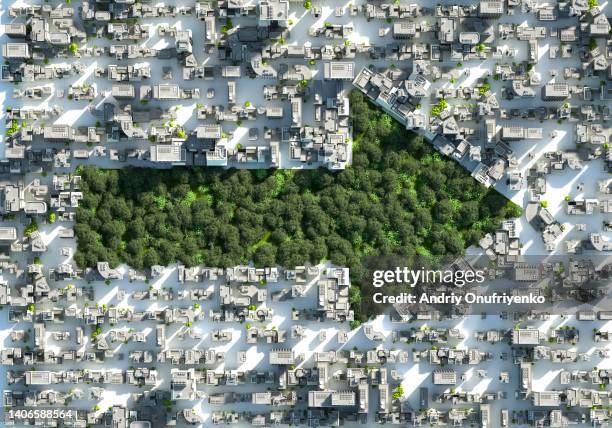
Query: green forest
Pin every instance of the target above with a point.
(399, 198)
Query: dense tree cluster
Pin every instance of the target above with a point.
(399, 198)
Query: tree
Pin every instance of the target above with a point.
(151, 258)
(318, 252)
(73, 48)
(422, 221)
(453, 243)
(443, 211)
(354, 295)
(265, 255)
(385, 125)
(468, 214)
(291, 253)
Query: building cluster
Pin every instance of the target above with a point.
(471, 123)
(305, 115)
(538, 215)
(88, 334)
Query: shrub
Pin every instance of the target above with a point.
(399, 392)
(437, 109)
(12, 129)
(486, 86)
(31, 228)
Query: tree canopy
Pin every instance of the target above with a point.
(399, 198)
